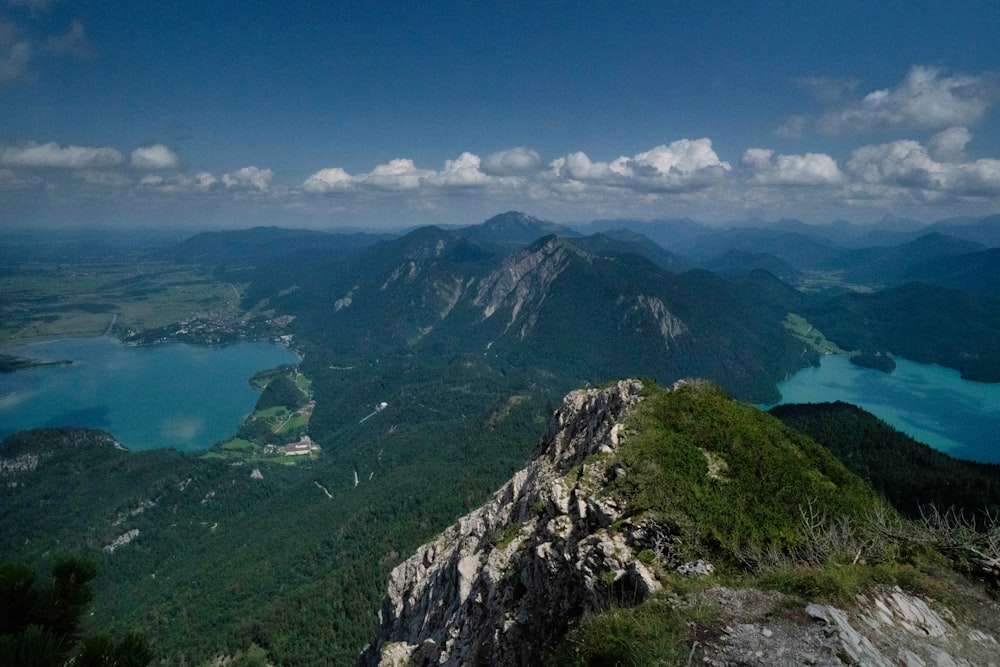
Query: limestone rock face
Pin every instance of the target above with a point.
(504, 583)
(885, 627)
(500, 586)
(523, 277)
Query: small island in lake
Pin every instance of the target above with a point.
(10, 363)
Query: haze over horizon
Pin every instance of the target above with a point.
(389, 115)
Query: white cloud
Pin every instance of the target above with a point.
(402, 175)
(204, 180)
(395, 175)
(764, 168)
(180, 183)
(977, 179)
(925, 99)
(670, 169)
(680, 157)
(681, 166)
(154, 157)
(332, 179)
(461, 172)
(902, 163)
(52, 155)
(909, 165)
(578, 167)
(949, 145)
(511, 162)
(254, 177)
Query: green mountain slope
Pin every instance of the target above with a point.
(551, 304)
(925, 323)
(909, 474)
(648, 522)
(293, 560)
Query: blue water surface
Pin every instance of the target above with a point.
(932, 404)
(169, 395)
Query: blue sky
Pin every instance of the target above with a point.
(325, 115)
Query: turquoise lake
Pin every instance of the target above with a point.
(170, 395)
(932, 404)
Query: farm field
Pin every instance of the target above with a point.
(44, 299)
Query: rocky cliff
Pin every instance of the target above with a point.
(500, 586)
(505, 583)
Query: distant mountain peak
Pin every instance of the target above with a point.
(513, 228)
(513, 218)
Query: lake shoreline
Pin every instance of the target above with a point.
(175, 395)
(931, 403)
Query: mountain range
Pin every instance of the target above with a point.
(472, 336)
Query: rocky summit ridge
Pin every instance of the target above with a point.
(501, 584)
(505, 583)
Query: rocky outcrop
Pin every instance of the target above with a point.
(523, 277)
(885, 627)
(670, 326)
(896, 628)
(501, 585)
(504, 584)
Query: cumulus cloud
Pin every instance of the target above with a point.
(399, 175)
(926, 98)
(200, 182)
(977, 179)
(579, 167)
(683, 165)
(249, 177)
(462, 172)
(395, 175)
(908, 164)
(904, 163)
(332, 179)
(154, 157)
(512, 162)
(402, 175)
(204, 180)
(686, 173)
(52, 155)
(764, 168)
(682, 157)
(949, 145)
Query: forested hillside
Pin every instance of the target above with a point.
(470, 338)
